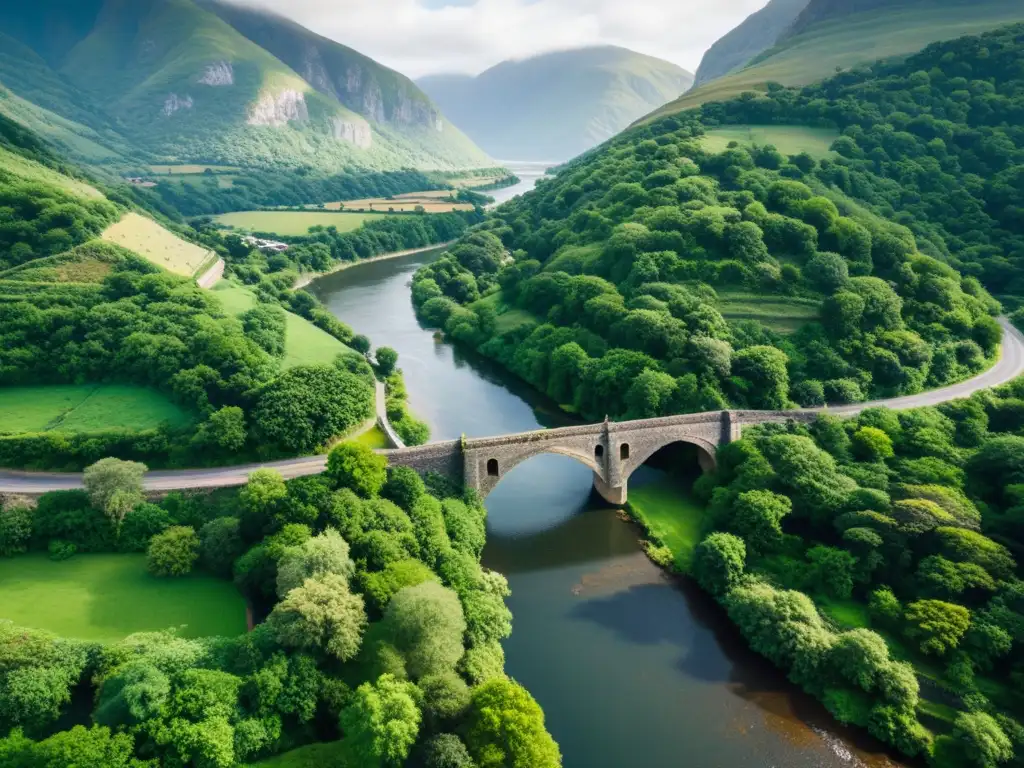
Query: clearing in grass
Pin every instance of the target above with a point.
(293, 223)
(156, 244)
(788, 139)
(107, 597)
(780, 314)
(76, 408)
(671, 515)
(372, 438)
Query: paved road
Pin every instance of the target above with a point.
(1010, 366)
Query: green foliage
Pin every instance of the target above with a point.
(321, 615)
(15, 527)
(426, 623)
(871, 444)
(354, 466)
(220, 544)
(325, 553)
(719, 561)
(936, 626)
(379, 587)
(115, 487)
(140, 525)
(382, 722)
(506, 728)
(446, 750)
(173, 552)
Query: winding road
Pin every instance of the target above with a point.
(1009, 366)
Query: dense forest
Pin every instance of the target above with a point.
(602, 288)
(381, 629)
(874, 559)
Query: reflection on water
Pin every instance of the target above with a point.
(632, 668)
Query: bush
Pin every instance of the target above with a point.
(61, 550)
(140, 525)
(173, 552)
(220, 543)
(15, 527)
(354, 466)
(719, 561)
(68, 515)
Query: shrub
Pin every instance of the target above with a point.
(61, 550)
(140, 525)
(719, 561)
(15, 527)
(173, 552)
(354, 466)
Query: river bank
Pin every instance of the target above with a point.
(306, 278)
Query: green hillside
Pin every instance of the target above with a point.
(557, 105)
(848, 35)
(390, 101)
(169, 80)
(756, 34)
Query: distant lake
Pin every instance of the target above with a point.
(528, 172)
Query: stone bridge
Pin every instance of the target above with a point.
(613, 450)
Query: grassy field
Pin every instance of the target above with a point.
(407, 203)
(326, 755)
(33, 171)
(848, 614)
(293, 222)
(85, 408)
(106, 597)
(156, 244)
(779, 313)
(788, 139)
(75, 266)
(304, 343)
(670, 513)
(372, 438)
(857, 38)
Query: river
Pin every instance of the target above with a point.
(632, 669)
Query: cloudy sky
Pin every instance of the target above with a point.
(419, 37)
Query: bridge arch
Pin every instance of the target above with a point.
(490, 466)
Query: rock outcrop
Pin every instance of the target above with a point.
(278, 109)
(174, 102)
(218, 73)
(353, 131)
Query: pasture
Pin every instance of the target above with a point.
(106, 597)
(788, 139)
(304, 343)
(32, 171)
(156, 244)
(783, 314)
(293, 222)
(434, 201)
(86, 408)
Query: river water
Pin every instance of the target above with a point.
(632, 669)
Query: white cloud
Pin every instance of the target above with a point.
(419, 37)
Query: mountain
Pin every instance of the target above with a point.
(829, 35)
(757, 33)
(556, 105)
(186, 81)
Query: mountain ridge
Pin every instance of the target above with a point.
(555, 105)
(180, 82)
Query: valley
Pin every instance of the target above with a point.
(691, 427)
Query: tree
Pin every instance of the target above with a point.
(871, 444)
(325, 553)
(321, 615)
(379, 587)
(757, 517)
(173, 552)
(426, 624)
(446, 750)
(225, 429)
(719, 561)
(387, 360)
(936, 626)
(115, 486)
(465, 526)
(263, 491)
(306, 406)
(355, 466)
(220, 543)
(832, 571)
(764, 368)
(140, 525)
(827, 272)
(506, 728)
(94, 747)
(404, 487)
(977, 741)
(382, 722)
(15, 527)
(445, 698)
